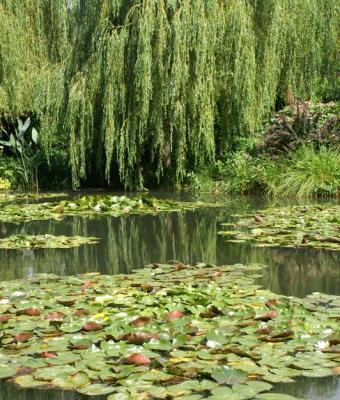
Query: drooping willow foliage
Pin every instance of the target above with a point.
(140, 88)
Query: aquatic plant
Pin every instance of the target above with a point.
(26, 151)
(298, 226)
(115, 206)
(44, 241)
(165, 331)
(131, 91)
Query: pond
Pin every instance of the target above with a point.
(129, 242)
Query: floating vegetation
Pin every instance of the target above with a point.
(163, 332)
(299, 226)
(13, 196)
(45, 242)
(96, 205)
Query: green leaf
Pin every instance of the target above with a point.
(229, 376)
(6, 371)
(34, 135)
(97, 389)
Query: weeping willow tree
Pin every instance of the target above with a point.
(156, 88)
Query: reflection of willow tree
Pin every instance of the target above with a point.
(316, 389)
(10, 391)
(125, 243)
(292, 271)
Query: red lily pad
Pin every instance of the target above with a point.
(139, 337)
(92, 326)
(23, 336)
(55, 316)
(32, 312)
(174, 315)
(140, 321)
(80, 313)
(5, 318)
(86, 285)
(137, 359)
(267, 316)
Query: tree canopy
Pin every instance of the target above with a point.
(132, 88)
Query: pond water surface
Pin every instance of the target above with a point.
(129, 242)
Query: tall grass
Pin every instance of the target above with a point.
(310, 172)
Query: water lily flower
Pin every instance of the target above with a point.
(321, 345)
(212, 344)
(95, 349)
(97, 208)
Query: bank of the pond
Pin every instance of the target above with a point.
(297, 155)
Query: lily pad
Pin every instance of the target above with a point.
(87, 206)
(114, 337)
(45, 242)
(312, 226)
(6, 371)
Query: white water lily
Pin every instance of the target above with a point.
(212, 344)
(4, 301)
(321, 345)
(97, 207)
(95, 349)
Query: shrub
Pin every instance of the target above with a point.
(10, 170)
(310, 172)
(317, 125)
(5, 184)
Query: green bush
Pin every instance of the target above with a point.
(310, 172)
(10, 170)
(5, 184)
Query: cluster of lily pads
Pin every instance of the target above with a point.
(313, 226)
(95, 205)
(44, 241)
(165, 331)
(13, 196)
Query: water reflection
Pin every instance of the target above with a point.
(312, 389)
(130, 242)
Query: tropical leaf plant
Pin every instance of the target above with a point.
(25, 149)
